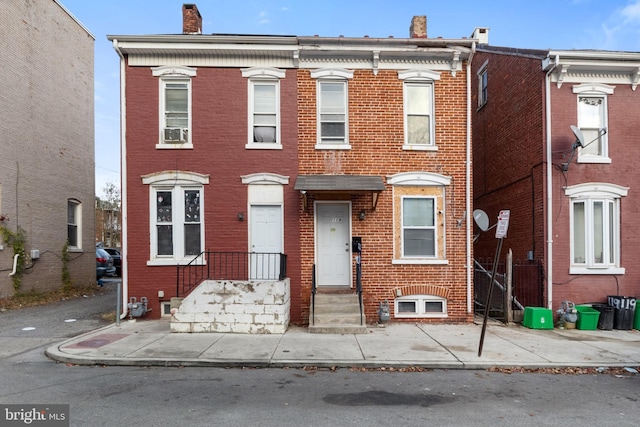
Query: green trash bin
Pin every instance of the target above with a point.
(636, 319)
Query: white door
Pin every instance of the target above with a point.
(266, 242)
(333, 245)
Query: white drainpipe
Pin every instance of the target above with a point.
(123, 182)
(549, 254)
(469, 185)
(15, 265)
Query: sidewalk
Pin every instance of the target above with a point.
(435, 346)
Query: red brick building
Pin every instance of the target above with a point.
(274, 156)
(569, 189)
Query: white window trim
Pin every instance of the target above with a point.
(335, 75)
(483, 71)
(173, 181)
(596, 191)
(599, 91)
(258, 75)
(422, 179)
(423, 77)
(420, 301)
(78, 218)
(173, 73)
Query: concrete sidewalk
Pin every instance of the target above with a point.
(150, 343)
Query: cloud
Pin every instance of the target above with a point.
(622, 28)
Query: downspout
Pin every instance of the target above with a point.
(549, 254)
(15, 265)
(469, 184)
(123, 182)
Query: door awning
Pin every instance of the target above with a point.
(352, 184)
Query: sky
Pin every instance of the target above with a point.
(536, 24)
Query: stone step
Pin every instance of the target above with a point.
(337, 318)
(338, 329)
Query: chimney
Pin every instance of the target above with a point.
(418, 27)
(191, 19)
(481, 34)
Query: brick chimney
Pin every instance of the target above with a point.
(191, 19)
(418, 27)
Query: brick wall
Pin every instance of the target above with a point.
(47, 143)
(376, 138)
(219, 137)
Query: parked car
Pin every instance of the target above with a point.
(104, 264)
(117, 259)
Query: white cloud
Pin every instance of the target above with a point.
(622, 29)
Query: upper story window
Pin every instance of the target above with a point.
(175, 106)
(264, 107)
(333, 110)
(418, 217)
(483, 76)
(592, 121)
(419, 109)
(74, 224)
(595, 228)
(176, 209)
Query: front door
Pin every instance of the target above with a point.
(333, 244)
(266, 242)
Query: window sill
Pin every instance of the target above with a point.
(333, 147)
(409, 147)
(594, 159)
(421, 316)
(75, 250)
(420, 261)
(173, 262)
(184, 146)
(596, 270)
(263, 146)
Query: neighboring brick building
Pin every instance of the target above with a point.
(231, 124)
(47, 161)
(572, 208)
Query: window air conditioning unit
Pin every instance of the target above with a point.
(176, 135)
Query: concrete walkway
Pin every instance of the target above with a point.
(435, 346)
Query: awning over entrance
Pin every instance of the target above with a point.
(352, 184)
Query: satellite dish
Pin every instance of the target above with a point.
(481, 218)
(579, 136)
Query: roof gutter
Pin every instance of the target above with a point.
(123, 182)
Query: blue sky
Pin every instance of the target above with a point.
(555, 24)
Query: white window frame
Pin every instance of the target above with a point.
(483, 81)
(333, 75)
(172, 75)
(588, 194)
(420, 185)
(76, 205)
(424, 78)
(404, 227)
(599, 92)
(420, 303)
(263, 76)
(176, 182)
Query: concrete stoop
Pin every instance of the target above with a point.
(337, 314)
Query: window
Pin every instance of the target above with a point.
(482, 85)
(177, 228)
(418, 216)
(74, 223)
(264, 107)
(419, 132)
(418, 227)
(595, 228)
(333, 111)
(175, 106)
(592, 121)
(420, 306)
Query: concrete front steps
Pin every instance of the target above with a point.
(337, 313)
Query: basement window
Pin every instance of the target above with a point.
(425, 306)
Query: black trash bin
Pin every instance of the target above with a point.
(624, 311)
(605, 321)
